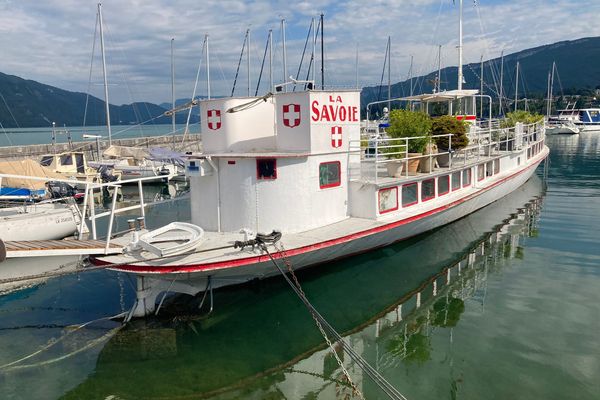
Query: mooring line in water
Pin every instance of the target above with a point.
(322, 324)
(11, 365)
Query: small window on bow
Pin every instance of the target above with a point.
(266, 168)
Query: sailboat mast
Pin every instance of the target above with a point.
(172, 88)
(500, 110)
(389, 73)
(481, 87)
(270, 59)
(357, 65)
(548, 96)
(207, 68)
(248, 60)
(460, 44)
(552, 85)
(322, 56)
(314, 51)
(438, 83)
(284, 54)
(516, 86)
(104, 73)
(410, 74)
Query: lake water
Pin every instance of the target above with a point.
(501, 304)
(23, 136)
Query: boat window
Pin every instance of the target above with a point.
(266, 168)
(388, 199)
(329, 174)
(409, 194)
(480, 172)
(466, 177)
(46, 161)
(489, 168)
(66, 159)
(496, 167)
(79, 163)
(456, 180)
(443, 185)
(427, 189)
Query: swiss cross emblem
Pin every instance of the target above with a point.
(291, 115)
(336, 136)
(214, 119)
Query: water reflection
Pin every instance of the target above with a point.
(261, 343)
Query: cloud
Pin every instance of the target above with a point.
(51, 41)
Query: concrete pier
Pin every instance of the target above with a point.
(191, 143)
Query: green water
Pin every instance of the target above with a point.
(501, 304)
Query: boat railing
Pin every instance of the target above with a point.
(377, 152)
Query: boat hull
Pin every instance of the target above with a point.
(38, 222)
(192, 279)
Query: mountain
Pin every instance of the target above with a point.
(577, 61)
(27, 103)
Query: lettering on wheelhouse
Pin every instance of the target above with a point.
(334, 111)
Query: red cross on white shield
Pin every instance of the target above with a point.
(291, 115)
(213, 119)
(336, 137)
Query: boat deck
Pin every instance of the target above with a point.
(41, 248)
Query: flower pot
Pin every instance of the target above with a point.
(413, 163)
(428, 163)
(444, 158)
(394, 168)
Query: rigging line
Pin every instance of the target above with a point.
(312, 55)
(9, 110)
(187, 122)
(262, 66)
(6, 134)
(87, 94)
(51, 344)
(237, 71)
(303, 53)
(322, 323)
(387, 48)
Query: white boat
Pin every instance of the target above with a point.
(71, 165)
(294, 164)
(586, 119)
(561, 127)
(134, 162)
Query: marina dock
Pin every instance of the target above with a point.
(42, 248)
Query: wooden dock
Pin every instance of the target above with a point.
(42, 248)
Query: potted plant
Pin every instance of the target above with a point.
(444, 126)
(414, 126)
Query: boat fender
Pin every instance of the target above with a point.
(2, 251)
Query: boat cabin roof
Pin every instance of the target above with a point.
(444, 96)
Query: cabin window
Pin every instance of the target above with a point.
(329, 174)
(480, 172)
(466, 177)
(427, 189)
(46, 161)
(456, 180)
(444, 185)
(266, 168)
(409, 195)
(66, 159)
(489, 168)
(388, 199)
(496, 167)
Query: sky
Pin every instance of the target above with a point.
(51, 41)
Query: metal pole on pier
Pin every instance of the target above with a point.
(104, 73)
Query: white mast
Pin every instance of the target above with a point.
(548, 96)
(172, 88)
(357, 65)
(314, 50)
(104, 73)
(284, 54)
(552, 86)
(207, 67)
(501, 111)
(389, 73)
(248, 60)
(270, 59)
(438, 83)
(481, 87)
(460, 45)
(410, 74)
(516, 86)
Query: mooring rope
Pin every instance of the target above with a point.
(322, 324)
